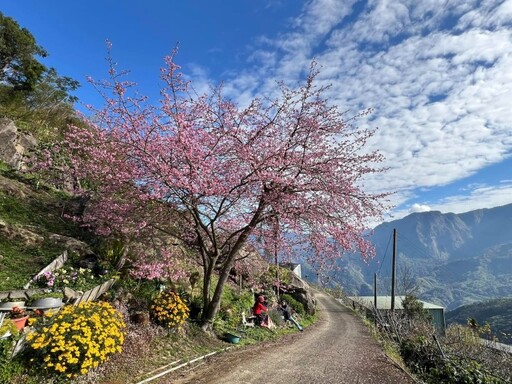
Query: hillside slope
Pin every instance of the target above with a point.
(33, 230)
(498, 313)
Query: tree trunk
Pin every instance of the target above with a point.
(210, 311)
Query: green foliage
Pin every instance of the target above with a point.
(16, 271)
(233, 304)
(8, 368)
(46, 123)
(294, 304)
(113, 255)
(78, 279)
(35, 97)
(8, 326)
(275, 273)
(497, 313)
(413, 309)
(143, 290)
(459, 372)
(20, 68)
(195, 303)
(41, 211)
(424, 358)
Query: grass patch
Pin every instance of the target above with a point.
(28, 216)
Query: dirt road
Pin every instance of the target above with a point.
(338, 349)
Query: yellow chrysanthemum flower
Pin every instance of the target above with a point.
(79, 338)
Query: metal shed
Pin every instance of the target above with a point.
(384, 303)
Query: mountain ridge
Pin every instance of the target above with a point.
(453, 259)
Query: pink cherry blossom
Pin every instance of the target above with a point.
(284, 174)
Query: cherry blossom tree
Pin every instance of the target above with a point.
(284, 173)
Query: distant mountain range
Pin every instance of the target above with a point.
(498, 313)
(447, 259)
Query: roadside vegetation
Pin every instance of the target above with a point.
(459, 355)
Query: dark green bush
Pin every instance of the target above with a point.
(297, 306)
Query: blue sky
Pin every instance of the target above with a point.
(438, 74)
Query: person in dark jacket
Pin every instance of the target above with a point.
(287, 315)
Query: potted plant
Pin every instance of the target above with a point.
(232, 338)
(9, 303)
(19, 317)
(46, 300)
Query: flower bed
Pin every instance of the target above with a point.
(78, 338)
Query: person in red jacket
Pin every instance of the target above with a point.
(260, 311)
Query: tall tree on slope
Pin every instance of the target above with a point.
(226, 177)
(19, 67)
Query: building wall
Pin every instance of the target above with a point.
(438, 319)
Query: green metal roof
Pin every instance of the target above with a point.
(384, 302)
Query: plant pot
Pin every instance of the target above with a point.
(231, 338)
(20, 322)
(8, 305)
(47, 302)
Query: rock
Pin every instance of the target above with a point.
(302, 292)
(71, 294)
(28, 237)
(72, 244)
(23, 234)
(12, 188)
(14, 145)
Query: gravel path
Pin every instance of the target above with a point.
(338, 349)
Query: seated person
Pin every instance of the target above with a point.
(260, 311)
(287, 315)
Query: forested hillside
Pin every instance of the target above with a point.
(498, 313)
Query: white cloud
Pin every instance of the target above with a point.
(436, 72)
(419, 208)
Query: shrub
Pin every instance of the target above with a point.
(273, 273)
(8, 368)
(413, 309)
(297, 306)
(8, 326)
(169, 310)
(232, 307)
(78, 338)
(424, 358)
